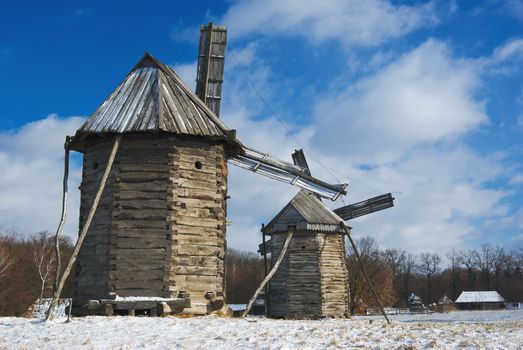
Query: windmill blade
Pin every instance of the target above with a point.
(298, 157)
(365, 207)
(277, 169)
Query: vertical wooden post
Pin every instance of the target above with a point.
(62, 216)
(265, 266)
(273, 270)
(85, 228)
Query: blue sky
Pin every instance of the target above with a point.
(421, 98)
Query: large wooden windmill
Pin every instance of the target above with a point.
(154, 187)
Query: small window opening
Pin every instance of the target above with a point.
(198, 165)
(95, 165)
(302, 247)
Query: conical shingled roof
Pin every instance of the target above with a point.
(153, 98)
(305, 212)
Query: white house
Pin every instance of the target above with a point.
(480, 300)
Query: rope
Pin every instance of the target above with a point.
(364, 271)
(260, 96)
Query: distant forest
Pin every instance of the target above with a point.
(27, 269)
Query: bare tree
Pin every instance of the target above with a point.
(380, 274)
(407, 270)
(486, 260)
(5, 259)
(44, 259)
(453, 257)
(395, 258)
(467, 259)
(429, 267)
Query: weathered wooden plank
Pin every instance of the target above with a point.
(143, 243)
(195, 270)
(196, 250)
(204, 261)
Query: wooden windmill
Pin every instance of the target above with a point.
(311, 279)
(154, 188)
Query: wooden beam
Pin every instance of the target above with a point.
(273, 271)
(83, 234)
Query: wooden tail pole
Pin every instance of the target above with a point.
(265, 265)
(272, 272)
(85, 228)
(365, 272)
(62, 216)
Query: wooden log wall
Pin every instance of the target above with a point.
(140, 239)
(312, 279)
(92, 268)
(334, 275)
(160, 227)
(199, 191)
(303, 277)
(278, 292)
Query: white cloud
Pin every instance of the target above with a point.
(426, 96)
(187, 71)
(352, 22)
(405, 122)
(517, 179)
(513, 49)
(31, 159)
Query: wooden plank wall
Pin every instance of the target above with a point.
(278, 293)
(334, 275)
(92, 268)
(160, 226)
(312, 279)
(198, 223)
(140, 238)
(303, 277)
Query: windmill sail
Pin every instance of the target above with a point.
(298, 157)
(267, 165)
(365, 207)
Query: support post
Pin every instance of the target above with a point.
(364, 271)
(265, 266)
(85, 228)
(273, 271)
(63, 215)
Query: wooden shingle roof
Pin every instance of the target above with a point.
(306, 212)
(153, 98)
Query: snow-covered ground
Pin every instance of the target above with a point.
(457, 330)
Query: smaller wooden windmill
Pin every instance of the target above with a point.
(311, 277)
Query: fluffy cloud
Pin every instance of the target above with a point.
(425, 96)
(351, 22)
(399, 129)
(31, 159)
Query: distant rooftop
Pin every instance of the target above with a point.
(306, 212)
(480, 297)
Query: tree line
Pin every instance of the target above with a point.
(28, 267)
(395, 273)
